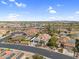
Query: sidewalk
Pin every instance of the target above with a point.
(65, 52)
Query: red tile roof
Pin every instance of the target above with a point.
(32, 31)
(45, 37)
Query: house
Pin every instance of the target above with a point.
(42, 37)
(63, 34)
(66, 41)
(31, 31)
(3, 32)
(34, 41)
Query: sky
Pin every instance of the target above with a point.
(39, 10)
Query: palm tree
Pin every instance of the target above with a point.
(77, 46)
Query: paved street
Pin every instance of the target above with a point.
(52, 55)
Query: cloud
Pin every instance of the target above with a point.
(77, 12)
(59, 5)
(20, 4)
(63, 18)
(51, 10)
(13, 17)
(3, 2)
(12, 0)
(71, 17)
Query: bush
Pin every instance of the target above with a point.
(27, 57)
(37, 57)
(60, 50)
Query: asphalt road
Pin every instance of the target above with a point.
(52, 55)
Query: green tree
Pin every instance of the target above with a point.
(37, 35)
(70, 26)
(51, 30)
(48, 29)
(52, 42)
